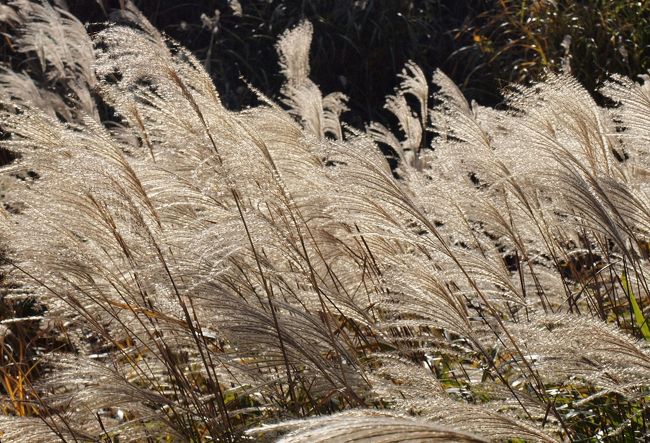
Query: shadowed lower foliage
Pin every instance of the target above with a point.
(209, 275)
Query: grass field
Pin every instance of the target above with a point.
(178, 269)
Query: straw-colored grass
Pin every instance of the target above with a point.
(212, 275)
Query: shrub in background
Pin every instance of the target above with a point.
(520, 40)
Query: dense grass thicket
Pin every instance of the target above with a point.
(174, 270)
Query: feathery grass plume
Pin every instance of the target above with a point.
(63, 49)
(57, 38)
(210, 272)
(366, 426)
(519, 208)
(414, 83)
(21, 429)
(631, 111)
(319, 115)
(149, 289)
(609, 360)
(21, 88)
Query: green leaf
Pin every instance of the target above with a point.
(638, 314)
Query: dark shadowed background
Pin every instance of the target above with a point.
(360, 45)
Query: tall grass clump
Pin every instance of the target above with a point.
(210, 275)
